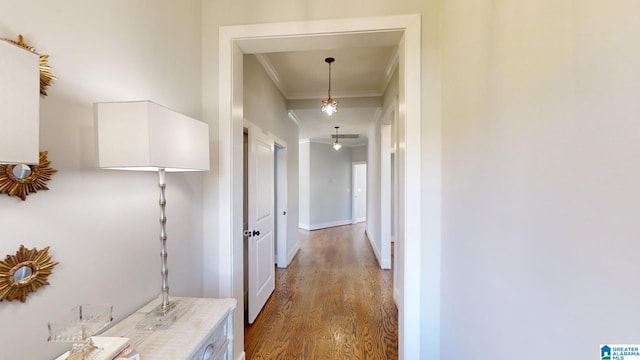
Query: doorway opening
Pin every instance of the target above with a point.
(358, 192)
(234, 42)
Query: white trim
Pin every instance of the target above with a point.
(281, 201)
(384, 264)
(326, 225)
(373, 247)
(411, 293)
(271, 71)
(293, 253)
(361, 219)
(242, 356)
(232, 39)
(303, 226)
(292, 116)
(385, 191)
(396, 296)
(391, 66)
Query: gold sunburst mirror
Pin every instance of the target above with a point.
(24, 272)
(46, 77)
(21, 179)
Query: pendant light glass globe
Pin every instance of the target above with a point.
(336, 144)
(329, 106)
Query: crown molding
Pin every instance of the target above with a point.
(273, 74)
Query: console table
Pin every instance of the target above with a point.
(203, 332)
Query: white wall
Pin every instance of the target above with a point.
(102, 225)
(374, 174)
(359, 153)
(373, 185)
(304, 171)
(329, 186)
(265, 106)
(325, 184)
(540, 175)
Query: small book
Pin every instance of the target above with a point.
(128, 353)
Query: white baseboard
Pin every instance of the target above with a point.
(242, 356)
(303, 226)
(328, 225)
(376, 252)
(362, 219)
(396, 295)
(293, 252)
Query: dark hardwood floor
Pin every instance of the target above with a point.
(332, 302)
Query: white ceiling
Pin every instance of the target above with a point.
(359, 76)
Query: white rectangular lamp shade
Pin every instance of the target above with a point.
(19, 104)
(142, 135)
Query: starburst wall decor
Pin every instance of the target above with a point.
(24, 272)
(21, 180)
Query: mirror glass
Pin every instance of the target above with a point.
(24, 272)
(21, 171)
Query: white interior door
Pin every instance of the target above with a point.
(359, 192)
(261, 221)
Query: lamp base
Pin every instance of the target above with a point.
(161, 317)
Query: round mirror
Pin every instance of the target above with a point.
(21, 171)
(23, 273)
(21, 179)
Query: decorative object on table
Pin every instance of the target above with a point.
(329, 105)
(46, 77)
(78, 326)
(128, 353)
(144, 136)
(107, 348)
(21, 179)
(24, 272)
(20, 105)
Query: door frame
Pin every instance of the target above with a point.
(281, 203)
(354, 189)
(233, 42)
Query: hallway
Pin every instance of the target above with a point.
(332, 302)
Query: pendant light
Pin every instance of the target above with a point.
(336, 144)
(329, 106)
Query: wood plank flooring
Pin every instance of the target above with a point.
(332, 302)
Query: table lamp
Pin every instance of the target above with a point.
(144, 136)
(19, 105)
